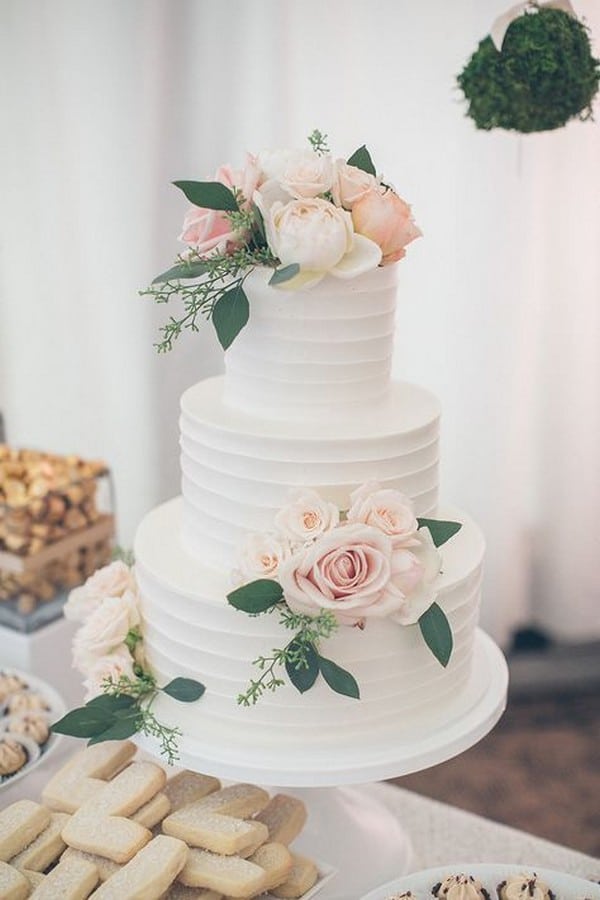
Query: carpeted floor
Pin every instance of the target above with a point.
(538, 770)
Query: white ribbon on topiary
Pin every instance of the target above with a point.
(500, 26)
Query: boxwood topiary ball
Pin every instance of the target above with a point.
(544, 75)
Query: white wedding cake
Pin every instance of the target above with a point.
(306, 401)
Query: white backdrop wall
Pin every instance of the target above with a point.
(104, 104)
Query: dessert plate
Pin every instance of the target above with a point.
(567, 887)
(56, 709)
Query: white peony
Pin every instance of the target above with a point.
(387, 509)
(115, 665)
(319, 237)
(261, 556)
(105, 630)
(306, 517)
(110, 581)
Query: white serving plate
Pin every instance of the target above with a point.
(565, 887)
(57, 710)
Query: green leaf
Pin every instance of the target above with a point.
(284, 273)
(112, 703)
(436, 631)
(119, 730)
(361, 158)
(182, 271)
(257, 596)
(440, 531)
(338, 679)
(86, 721)
(230, 314)
(303, 677)
(208, 194)
(184, 689)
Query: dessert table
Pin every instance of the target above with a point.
(439, 834)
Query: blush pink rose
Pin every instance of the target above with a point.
(386, 509)
(347, 570)
(110, 581)
(114, 666)
(383, 217)
(415, 570)
(208, 230)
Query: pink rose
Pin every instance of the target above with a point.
(117, 664)
(386, 219)
(347, 570)
(350, 184)
(414, 573)
(105, 630)
(261, 556)
(306, 516)
(210, 229)
(386, 509)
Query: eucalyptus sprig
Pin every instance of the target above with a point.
(300, 657)
(125, 708)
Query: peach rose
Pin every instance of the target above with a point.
(386, 509)
(383, 217)
(261, 556)
(117, 664)
(350, 184)
(347, 570)
(105, 630)
(306, 517)
(110, 581)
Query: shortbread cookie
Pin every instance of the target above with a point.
(149, 874)
(150, 814)
(285, 818)
(276, 860)
(227, 875)
(20, 824)
(303, 876)
(241, 800)
(13, 884)
(45, 849)
(179, 891)
(34, 878)
(73, 879)
(79, 780)
(106, 867)
(99, 825)
(186, 787)
(212, 831)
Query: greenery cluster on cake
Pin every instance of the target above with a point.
(321, 568)
(536, 74)
(302, 213)
(108, 650)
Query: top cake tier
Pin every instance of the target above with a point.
(317, 352)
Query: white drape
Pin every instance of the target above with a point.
(105, 103)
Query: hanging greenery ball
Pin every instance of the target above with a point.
(544, 75)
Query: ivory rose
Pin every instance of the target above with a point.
(306, 516)
(414, 572)
(318, 236)
(110, 581)
(261, 556)
(347, 571)
(383, 217)
(105, 630)
(297, 173)
(115, 665)
(207, 230)
(350, 184)
(386, 509)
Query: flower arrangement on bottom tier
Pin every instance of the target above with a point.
(322, 567)
(108, 651)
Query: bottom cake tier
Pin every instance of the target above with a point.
(191, 631)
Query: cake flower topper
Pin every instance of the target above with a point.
(108, 651)
(322, 568)
(301, 213)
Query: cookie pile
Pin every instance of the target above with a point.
(43, 499)
(24, 724)
(112, 828)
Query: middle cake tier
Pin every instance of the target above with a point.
(237, 470)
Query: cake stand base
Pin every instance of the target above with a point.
(356, 834)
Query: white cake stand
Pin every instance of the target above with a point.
(347, 827)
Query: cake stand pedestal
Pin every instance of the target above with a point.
(347, 827)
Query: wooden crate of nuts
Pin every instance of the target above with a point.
(56, 528)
